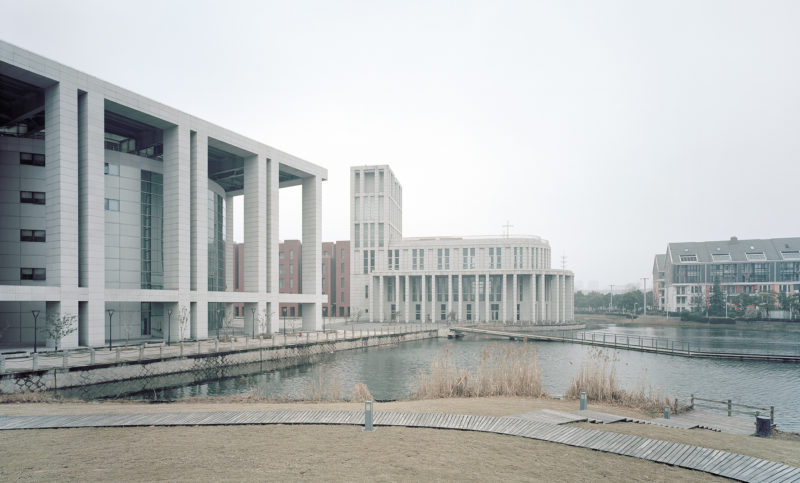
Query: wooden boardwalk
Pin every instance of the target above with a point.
(788, 358)
(717, 462)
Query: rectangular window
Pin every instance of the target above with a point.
(439, 259)
(323, 284)
(372, 234)
(499, 258)
(755, 256)
(342, 256)
(291, 283)
(341, 284)
(323, 268)
(414, 259)
(291, 268)
(791, 255)
(280, 269)
(455, 289)
(111, 205)
(397, 259)
(280, 283)
(366, 261)
(32, 274)
(32, 235)
(366, 291)
(34, 197)
(372, 261)
(291, 254)
(465, 256)
(471, 258)
(111, 169)
(688, 258)
(280, 255)
(380, 235)
(342, 268)
(422, 259)
(447, 259)
(341, 298)
(325, 253)
(31, 159)
(491, 257)
(357, 237)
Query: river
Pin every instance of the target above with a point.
(392, 372)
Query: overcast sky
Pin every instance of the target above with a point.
(607, 128)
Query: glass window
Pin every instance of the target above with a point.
(111, 205)
(31, 159)
(366, 261)
(280, 283)
(357, 237)
(291, 268)
(366, 291)
(34, 197)
(32, 274)
(280, 255)
(323, 283)
(341, 283)
(280, 269)
(111, 169)
(380, 235)
(32, 235)
(291, 254)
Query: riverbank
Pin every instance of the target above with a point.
(661, 321)
(341, 452)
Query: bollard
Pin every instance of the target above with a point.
(198, 346)
(141, 353)
(307, 335)
(181, 348)
(666, 412)
(35, 361)
(583, 401)
(161, 352)
(368, 416)
(729, 408)
(116, 359)
(65, 360)
(216, 345)
(91, 356)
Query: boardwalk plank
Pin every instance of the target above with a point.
(731, 465)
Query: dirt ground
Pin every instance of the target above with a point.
(336, 453)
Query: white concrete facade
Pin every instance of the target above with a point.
(124, 203)
(434, 279)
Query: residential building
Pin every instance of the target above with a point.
(290, 265)
(118, 209)
(658, 282)
(435, 278)
(741, 266)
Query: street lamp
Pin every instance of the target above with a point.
(110, 314)
(35, 330)
(253, 310)
(169, 326)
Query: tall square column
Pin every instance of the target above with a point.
(91, 157)
(381, 297)
(177, 211)
(255, 229)
(532, 295)
(61, 198)
(230, 266)
(199, 210)
(542, 303)
(460, 297)
(312, 251)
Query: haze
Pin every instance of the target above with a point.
(608, 128)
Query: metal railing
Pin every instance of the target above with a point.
(730, 407)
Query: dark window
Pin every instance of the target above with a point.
(32, 235)
(31, 159)
(35, 197)
(32, 274)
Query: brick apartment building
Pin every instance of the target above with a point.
(335, 276)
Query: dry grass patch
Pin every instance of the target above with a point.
(597, 377)
(504, 370)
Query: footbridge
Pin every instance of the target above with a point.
(654, 345)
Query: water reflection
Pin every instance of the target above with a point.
(391, 372)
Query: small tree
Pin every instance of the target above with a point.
(60, 326)
(264, 322)
(183, 321)
(227, 322)
(451, 316)
(717, 301)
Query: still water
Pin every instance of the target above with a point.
(392, 372)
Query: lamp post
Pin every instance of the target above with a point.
(110, 314)
(35, 330)
(253, 310)
(169, 326)
(284, 323)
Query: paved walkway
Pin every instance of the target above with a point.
(157, 350)
(717, 462)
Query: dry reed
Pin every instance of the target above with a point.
(324, 386)
(597, 377)
(503, 371)
(360, 393)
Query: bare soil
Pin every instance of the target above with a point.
(337, 453)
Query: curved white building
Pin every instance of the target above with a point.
(440, 278)
(110, 201)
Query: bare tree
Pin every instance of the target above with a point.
(183, 321)
(451, 316)
(60, 326)
(264, 322)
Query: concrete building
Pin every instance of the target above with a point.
(741, 266)
(436, 278)
(110, 201)
(658, 282)
(290, 280)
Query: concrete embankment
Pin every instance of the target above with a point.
(154, 367)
